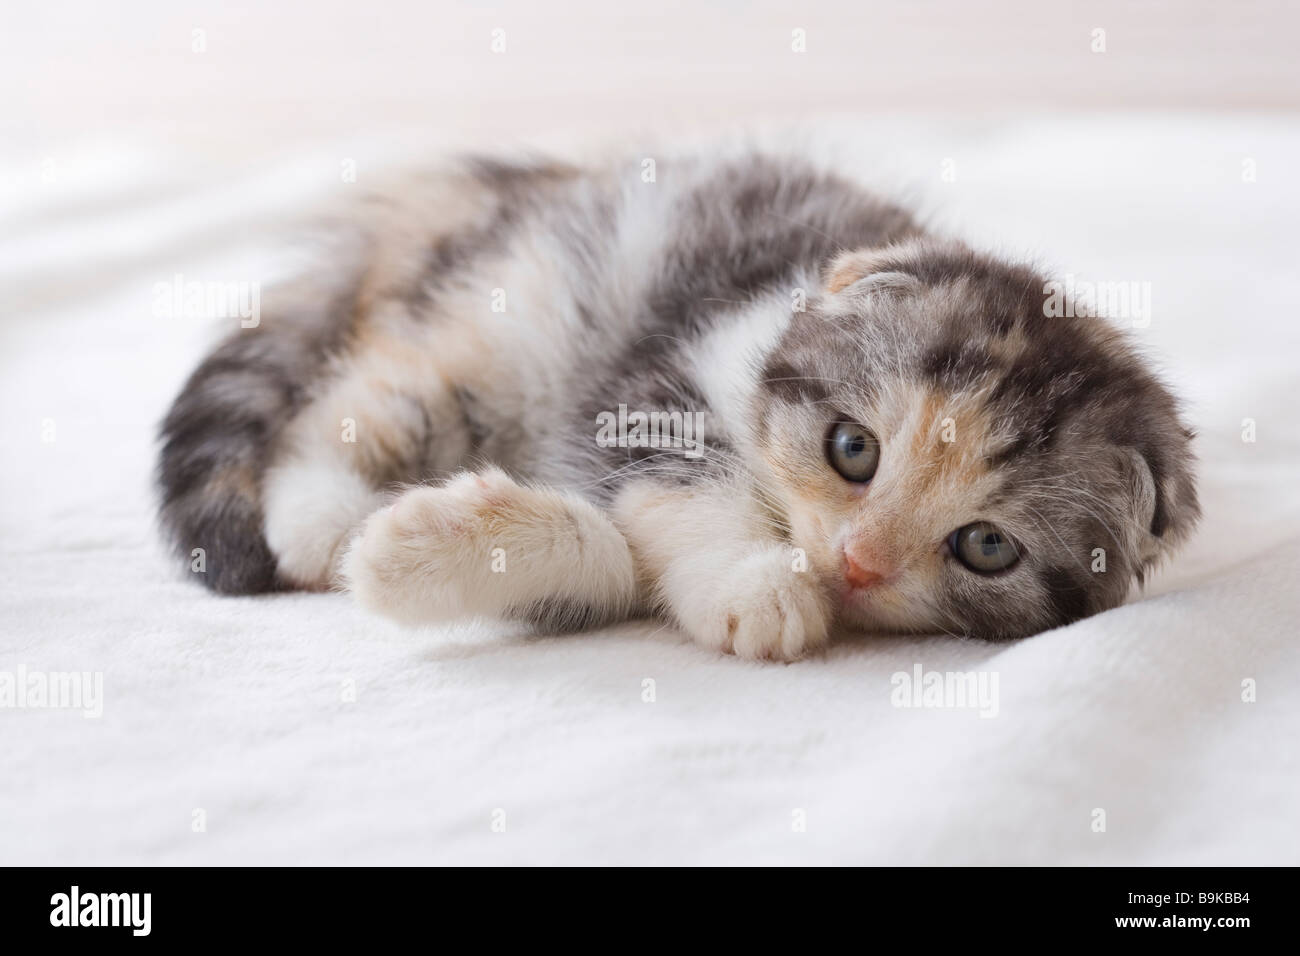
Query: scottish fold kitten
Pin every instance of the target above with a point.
(748, 396)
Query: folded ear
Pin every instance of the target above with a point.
(868, 270)
(1161, 491)
(848, 267)
(1141, 497)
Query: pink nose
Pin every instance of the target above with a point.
(859, 576)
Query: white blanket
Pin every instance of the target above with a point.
(297, 729)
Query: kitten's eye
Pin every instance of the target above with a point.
(853, 451)
(983, 548)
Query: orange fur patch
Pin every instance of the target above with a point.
(848, 268)
(947, 444)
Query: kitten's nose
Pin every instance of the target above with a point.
(860, 576)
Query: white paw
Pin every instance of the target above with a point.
(764, 610)
(428, 556)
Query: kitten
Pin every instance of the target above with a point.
(748, 396)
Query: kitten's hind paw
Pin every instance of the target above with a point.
(483, 545)
(424, 557)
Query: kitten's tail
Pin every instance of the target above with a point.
(220, 433)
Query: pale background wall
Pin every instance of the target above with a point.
(280, 73)
(109, 107)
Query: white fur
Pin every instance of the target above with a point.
(729, 358)
(311, 507)
(720, 575)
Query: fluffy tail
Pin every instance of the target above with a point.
(218, 437)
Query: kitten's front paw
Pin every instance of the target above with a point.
(767, 611)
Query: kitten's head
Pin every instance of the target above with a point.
(951, 458)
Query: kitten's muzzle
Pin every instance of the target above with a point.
(864, 571)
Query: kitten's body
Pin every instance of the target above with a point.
(500, 311)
